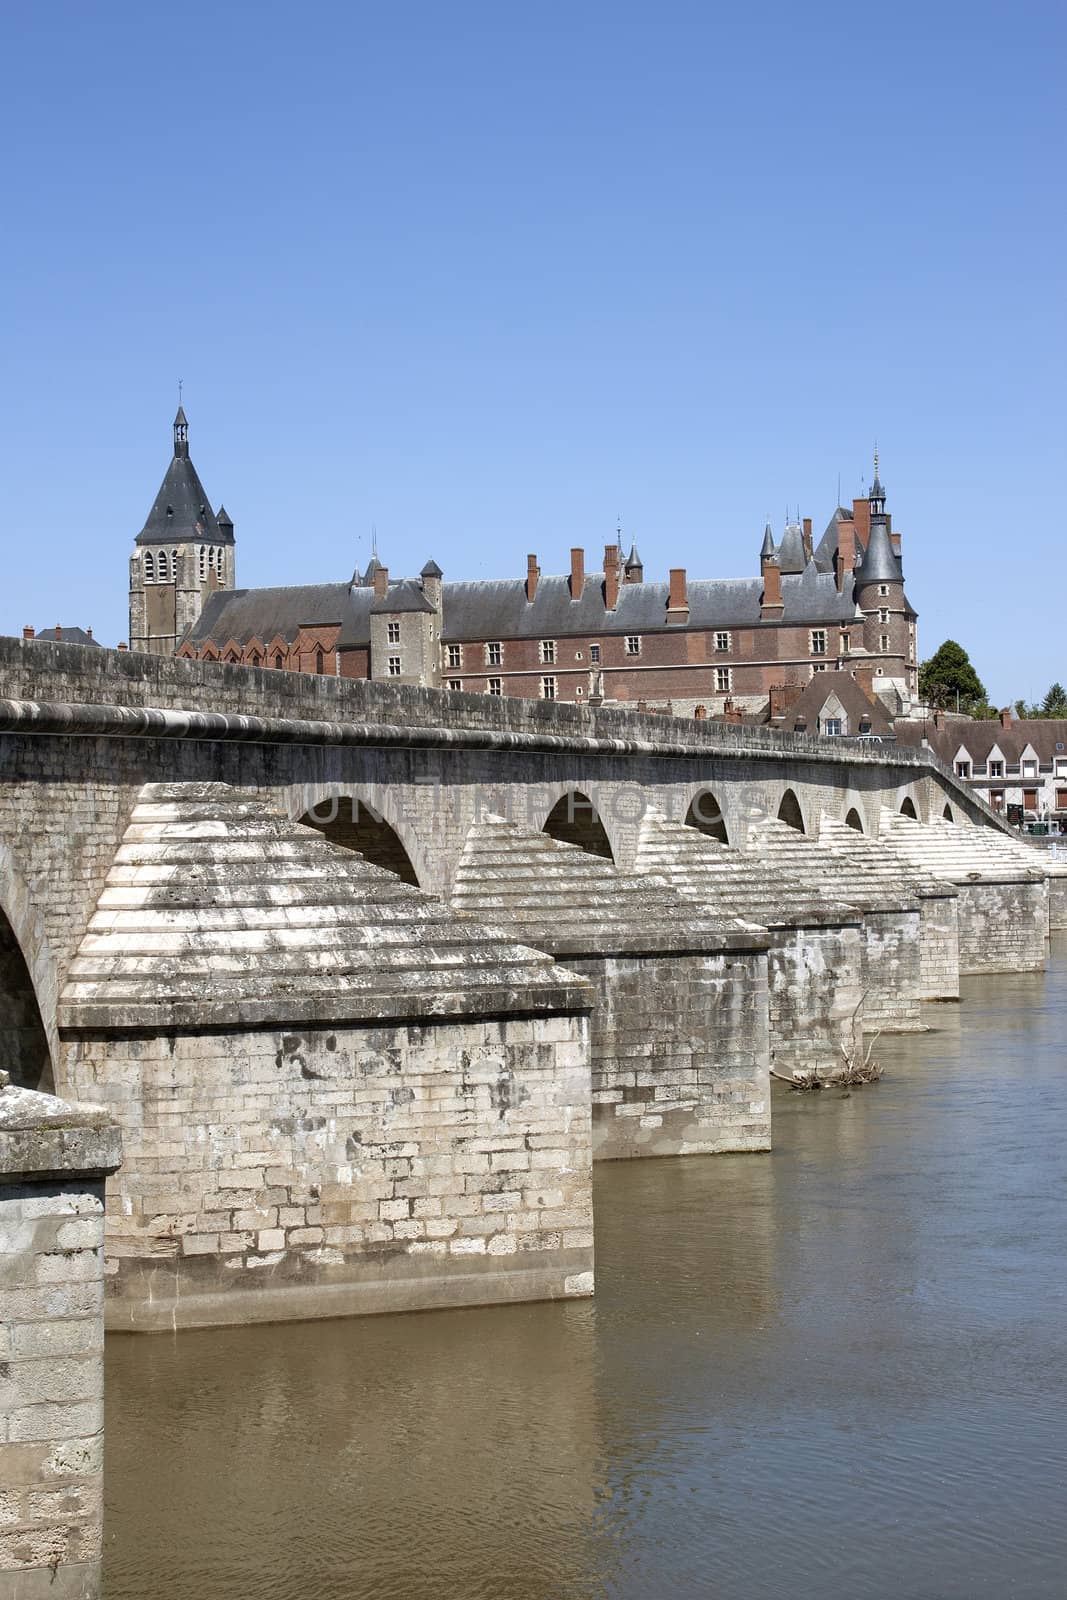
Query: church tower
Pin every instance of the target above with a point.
(183, 553)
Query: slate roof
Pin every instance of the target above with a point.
(791, 557)
(403, 596)
(808, 707)
(181, 510)
(243, 614)
(219, 911)
(499, 609)
(67, 636)
(880, 563)
(979, 739)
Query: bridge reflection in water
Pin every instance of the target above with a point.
(838, 1370)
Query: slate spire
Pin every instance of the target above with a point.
(181, 435)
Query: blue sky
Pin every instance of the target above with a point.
(490, 276)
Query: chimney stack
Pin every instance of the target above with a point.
(1005, 717)
(533, 572)
(122, 645)
(939, 718)
(771, 605)
(677, 597)
(59, 630)
(808, 546)
(28, 633)
(577, 573)
(381, 582)
(88, 633)
(846, 553)
(611, 576)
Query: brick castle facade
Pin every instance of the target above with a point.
(692, 645)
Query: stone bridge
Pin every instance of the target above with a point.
(368, 975)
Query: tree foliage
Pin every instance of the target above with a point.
(1055, 702)
(948, 678)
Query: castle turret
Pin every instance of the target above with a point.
(888, 620)
(182, 554)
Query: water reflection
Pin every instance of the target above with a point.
(837, 1371)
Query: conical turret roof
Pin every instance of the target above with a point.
(181, 510)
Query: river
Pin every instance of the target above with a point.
(836, 1371)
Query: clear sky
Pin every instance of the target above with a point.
(488, 276)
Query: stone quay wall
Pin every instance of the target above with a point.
(323, 1172)
(54, 1159)
(1003, 926)
(679, 1054)
(1057, 902)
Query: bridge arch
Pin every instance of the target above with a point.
(907, 808)
(790, 813)
(29, 988)
(366, 822)
(854, 820)
(705, 813)
(574, 819)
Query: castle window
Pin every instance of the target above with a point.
(722, 641)
(883, 588)
(149, 567)
(883, 615)
(394, 666)
(819, 666)
(846, 643)
(494, 653)
(594, 653)
(253, 660)
(392, 634)
(320, 662)
(883, 643)
(455, 683)
(818, 641)
(495, 686)
(455, 655)
(548, 650)
(578, 655)
(548, 688)
(579, 692)
(633, 644)
(723, 680)
(278, 660)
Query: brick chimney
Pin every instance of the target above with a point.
(611, 576)
(28, 633)
(533, 572)
(864, 676)
(577, 573)
(782, 696)
(678, 597)
(381, 582)
(846, 554)
(59, 630)
(1005, 717)
(771, 604)
(730, 712)
(939, 718)
(700, 713)
(88, 633)
(122, 645)
(808, 546)
(861, 519)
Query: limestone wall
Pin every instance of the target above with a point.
(891, 971)
(939, 944)
(319, 1172)
(679, 1054)
(815, 984)
(53, 1162)
(1002, 926)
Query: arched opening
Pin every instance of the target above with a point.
(24, 1052)
(574, 820)
(789, 812)
(854, 820)
(347, 821)
(706, 814)
(947, 814)
(907, 809)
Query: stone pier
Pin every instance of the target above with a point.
(54, 1159)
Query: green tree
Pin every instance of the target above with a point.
(948, 679)
(1055, 702)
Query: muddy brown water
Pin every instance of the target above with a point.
(836, 1371)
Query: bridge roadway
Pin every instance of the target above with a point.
(365, 1064)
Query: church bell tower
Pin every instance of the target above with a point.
(182, 554)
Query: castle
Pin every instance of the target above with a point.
(696, 645)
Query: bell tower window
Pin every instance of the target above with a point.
(149, 567)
